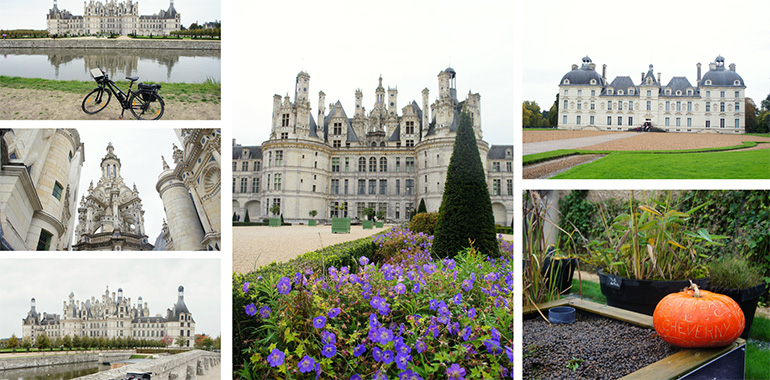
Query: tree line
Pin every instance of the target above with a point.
(43, 342)
(23, 33)
(198, 33)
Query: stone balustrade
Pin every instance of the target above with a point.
(184, 366)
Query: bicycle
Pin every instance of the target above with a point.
(144, 103)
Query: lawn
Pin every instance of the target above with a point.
(208, 88)
(754, 164)
(757, 347)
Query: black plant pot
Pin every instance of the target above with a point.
(640, 296)
(747, 299)
(562, 271)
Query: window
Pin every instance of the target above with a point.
(708, 106)
(409, 127)
(593, 92)
(580, 92)
(579, 104)
(509, 167)
(668, 91)
(566, 91)
(620, 106)
(361, 186)
(668, 105)
(510, 187)
(689, 122)
(578, 119)
(257, 165)
(708, 93)
(409, 142)
(609, 120)
(335, 164)
(361, 164)
(620, 120)
(409, 187)
(609, 105)
(496, 187)
(721, 106)
(593, 105)
(372, 186)
(496, 167)
(668, 122)
(337, 129)
(383, 164)
(591, 119)
(383, 186)
(649, 105)
(649, 93)
(278, 157)
(737, 94)
(277, 179)
(564, 119)
(398, 164)
(44, 242)
(335, 186)
(737, 123)
(284, 135)
(233, 185)
(285, 120)
(609, 92)
(689, 106)
(689, 92)
(630, 120)
(721, 122)
(245, 166)
(347, 164)
(235, 166)
(372, 164)
(630, 105)
(57, 188)
(678, 121)
(337, 144)
(565, 104)
(737, 106)
(708, 123)
(721, 94)
(409, 164)
(255, 185)
(678, 105)
(244, 185)
(398, 187)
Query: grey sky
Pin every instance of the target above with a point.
(629, 36)
(139, 149)
(30, 14)
(50, 282)
(346, 45)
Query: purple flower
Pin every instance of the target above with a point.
(317, 370)
(467, 285)
(401, 348)
(493, 346)
(491, 276)
(455, 372)
(246, 287)
(251, 309)
(385, 335)
(442, 308)
(420, 346)
(409, 375)
(377, 354)
(509, 352)
(363, 260)
(379, 375)
(457, 299)
(319, 322)
(376, 301)
(373, 322)
(472, 313)
(402, 360)
(306, 364)
(334, 312)
(400, 288)
(433, 303)
(495, 334)
(329, 350)
(328, 337)
(264, 312)
(466, 333)
(284, 287)
(387, 356)
(384, 308)
(360, 349)
(355, 377)
(416, 287)
(275, 358)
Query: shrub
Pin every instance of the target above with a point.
(466, 210)
(401, 245)
(424, 222)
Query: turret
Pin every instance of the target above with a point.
(359, 103)
(379, 94)
(301, 88)
(392, 101)
(183, 223)
(425, 109)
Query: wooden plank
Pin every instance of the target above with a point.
(529, 309)
(613, 312)
(681, 363)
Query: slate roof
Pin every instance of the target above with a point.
(255, 151)
(679, 84)
(351, 134)
(721, 77)
(621, 83)
(582, 76)
(497, 152)
(650, 74)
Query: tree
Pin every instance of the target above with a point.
(235, 217)
(421, 207)
(531, 115)
(26, 343)
(77, 342)
(67, 342)
(13, 342)
(466, 209)
(275, 208)
(43, 342)
(368, 213)
(58, 342)
(553, 113)
(181, 341)
(381, 215)
(312, 213)
(218, 343)
(246, 217)
(751, 115)
(766, 103)
(763, 122)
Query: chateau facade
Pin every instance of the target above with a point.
(715, 103)
(387, 159)
(192, 192)
(114, 17)
(111, 216)
(39, 174)
(112, 316)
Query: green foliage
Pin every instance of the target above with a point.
(760, 329)
(421, 207)
(235, 217)
(763, 122)
(312, 213)
(246, 217)
(13, 342)
(24, 33)
(532, 116)
(275, 209)
(757, 362)
(465, 214)
(751, 115)
(733, 272)
(26, 343)
(368, 212)
(553, 113)
(576, 216)
(424, 222)
(180, 341)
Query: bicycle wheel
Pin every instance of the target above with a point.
(150, 109)
(96, 100)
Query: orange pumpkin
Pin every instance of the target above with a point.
(698, 318)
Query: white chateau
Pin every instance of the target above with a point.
(111, 215)
(191, 191)
(112, 316)
(386, 159)
(714, 103)
(39, 176)
(113, 17)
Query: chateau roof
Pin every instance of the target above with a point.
(148, 320)
(651, 75)
(582, 76)
(679, 84)
(721, 77)
(620, 83)
(497, 152)
(254, 151)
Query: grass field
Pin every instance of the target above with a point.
(754, 164)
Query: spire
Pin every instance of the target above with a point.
(165, 165)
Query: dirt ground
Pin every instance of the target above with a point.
(537, 136)
(553, 167)
(29, 104)
(676, 141)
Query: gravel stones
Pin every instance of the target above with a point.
(595, 347)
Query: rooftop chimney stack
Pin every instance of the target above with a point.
(732, 67)
(604, 72)
(698, 66)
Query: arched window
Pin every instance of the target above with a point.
(362, 164)
(372, 164)
(383, 164)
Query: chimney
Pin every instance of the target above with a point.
(658, 77)
(698, 66)
(574, 67)
(642, 77)
(604, 72)
(592, 66)
(732, 67)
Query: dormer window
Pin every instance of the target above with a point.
(689, 92)
(566, 81)
(737, 82)
(678, 92)
(630, 91)
(593, 81)
(668, 92)
(649, 80)
(620, 92)
(708, 82)
(609, 91)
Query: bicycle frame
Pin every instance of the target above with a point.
(121, 96)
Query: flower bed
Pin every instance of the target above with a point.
(408, 316)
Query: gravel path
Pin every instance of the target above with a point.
(254, 247)
(551, 168)
(538, 136)
(601, 348)
(675, 141)
(574, 143)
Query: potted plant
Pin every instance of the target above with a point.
(275, 209)
(340, 225)
(368, 223)
(648, 253)
(312, 214)
(380, 219)
(736, 277)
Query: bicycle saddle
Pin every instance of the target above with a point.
(133, 79)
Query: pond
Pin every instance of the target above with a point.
(155, 65)
(54, 372)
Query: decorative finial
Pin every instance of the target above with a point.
(165, 165)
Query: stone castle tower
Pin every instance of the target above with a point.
(110, 216)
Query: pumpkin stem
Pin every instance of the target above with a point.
(695, 289)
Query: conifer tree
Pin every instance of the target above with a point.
(466, 209)
(422, 207)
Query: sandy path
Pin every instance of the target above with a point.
(551, 168)
(254, 247)
(538, 136)
(675, 141)
(29, 104)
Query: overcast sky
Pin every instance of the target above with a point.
(346, 45)
(139, 150)
(629, 36)
(30, 14)
(50, 282)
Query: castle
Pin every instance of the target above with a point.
(112, 316)
(388, 159)
(111, 216)
(715, 103)
(114, 17)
